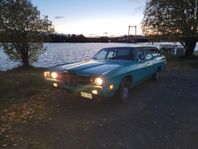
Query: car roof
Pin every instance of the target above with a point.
(131, 46)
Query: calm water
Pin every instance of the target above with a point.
(58, 53)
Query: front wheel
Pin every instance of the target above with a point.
(124, 91)
(156, 76)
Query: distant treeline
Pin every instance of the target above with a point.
(74, 38)
(82, 38)
(52, 37)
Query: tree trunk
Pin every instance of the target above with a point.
(190, 44)
(25, 58)
(25, 61)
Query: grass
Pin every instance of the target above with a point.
(20, 84)
(22, 99)
(182, 63)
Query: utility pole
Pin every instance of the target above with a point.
(196, 7)
(129, 28)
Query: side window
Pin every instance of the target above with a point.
(124, 54)
(140, 55)
(111, 55)
(148, 55)
(155, 52)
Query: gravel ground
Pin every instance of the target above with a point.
(159, 115)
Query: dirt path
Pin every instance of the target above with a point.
(159, 115)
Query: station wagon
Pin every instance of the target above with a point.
(111, 72)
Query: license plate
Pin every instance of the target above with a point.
(86, 95)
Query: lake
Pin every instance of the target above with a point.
(59, 53)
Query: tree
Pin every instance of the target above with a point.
(22, 26)
(175, 19)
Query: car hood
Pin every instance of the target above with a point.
(91, 67)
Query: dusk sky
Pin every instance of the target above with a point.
(93, 18)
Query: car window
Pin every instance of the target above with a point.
(124, 54)
(148, 56)
(140, 55)
(115, 53)
(101, 55)
(111, 54)
(155, 52)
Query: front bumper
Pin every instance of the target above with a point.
(77, 89)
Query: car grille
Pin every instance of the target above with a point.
(74, 79)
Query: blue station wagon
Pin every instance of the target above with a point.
(111, 72)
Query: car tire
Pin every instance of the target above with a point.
(156, 76)
(124, 91)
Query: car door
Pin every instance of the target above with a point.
(149, 61)
(157, 58)
(139, 74)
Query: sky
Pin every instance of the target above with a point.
(93, 17)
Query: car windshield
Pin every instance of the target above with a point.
(115, 54)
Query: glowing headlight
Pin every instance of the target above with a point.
(98, 81)
(111, 87)
(46, 74)
(54, 75)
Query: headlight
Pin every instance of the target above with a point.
(47, 74)
(98, 81)
(54, 75)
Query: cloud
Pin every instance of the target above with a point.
(58, 17)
